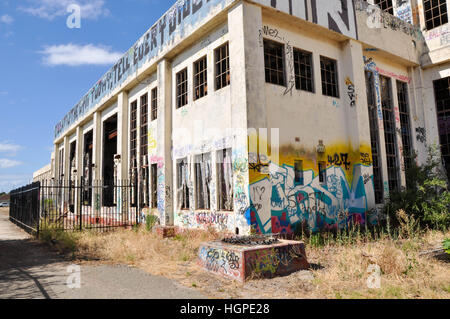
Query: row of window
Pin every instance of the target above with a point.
(202, 181)
(200, 76)
(274, 65)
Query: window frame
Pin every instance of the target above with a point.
(182, 88)
(154, 104)
(299, 76)
(219, 73)
(268, 70)
(442, 16)
(334, 73)
(197, 76)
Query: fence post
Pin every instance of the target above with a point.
(80, 201)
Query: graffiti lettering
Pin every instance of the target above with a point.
(340, 160)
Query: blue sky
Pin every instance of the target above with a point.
(46, 68)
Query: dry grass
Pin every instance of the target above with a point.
(340, 271)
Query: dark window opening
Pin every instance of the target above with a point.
(203, 181)
(154, 104)
(133, 153)
(183, 184)
(405, 122)
(200, 78)
(222, 59)
(87, 167)
(109, 169)
(303, 67)
(154, 171)
(144, 170)
(390, 133)
(322, 172)
(182, 88)
(225, 177)
(374, 137)
(274, 62)
(435, 13)
(442, 95)
(328, 68)
(299, 176)
(385, 5)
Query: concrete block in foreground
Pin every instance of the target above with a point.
(243, 263)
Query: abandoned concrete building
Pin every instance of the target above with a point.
(266, 114)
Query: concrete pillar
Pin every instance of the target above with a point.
(357, 114)
(247, 99)
(123, 135)
(96, 159)
(164, 144)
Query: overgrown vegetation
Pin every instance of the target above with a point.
(446, 245)
(426, 199)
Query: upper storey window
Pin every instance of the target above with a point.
(385, 5)
(274, 62)
(435, 13)
(200, 78)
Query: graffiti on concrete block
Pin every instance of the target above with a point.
(220, 261)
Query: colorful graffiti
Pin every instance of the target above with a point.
(280, 202)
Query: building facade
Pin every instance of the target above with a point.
(266, 114)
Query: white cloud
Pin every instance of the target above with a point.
(7, 163)
(8, 148)
(6, 19)
(50, 9)
(75, 55)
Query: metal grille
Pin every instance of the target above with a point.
(154, 104)
(328, 68)
(442, 94)
(435, 13)
(182, 88)
(274, 62)
(255, 240)
(405, 122)
(222, 56)
(374, 137)
(390, 133)
(303, 70)
(385, 5)
(200, 78)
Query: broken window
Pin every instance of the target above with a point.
(274, 62)
(328, 68)
(225, 178)
(442, 95)
(154, 173)
(144, 196)
(402, 93)
(200, 78)
(154, 104)
(435, 13)
(222, 56)
(385, 5)
(182, 184)
(87, 168)
(133, 152)
(203, 181)
(374, 137)
(303, 70)
(182, 88)
(299, 178)
(390, 133)
(322, 172)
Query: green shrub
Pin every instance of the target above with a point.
(426, 198)
(150, 222)
(447, 245)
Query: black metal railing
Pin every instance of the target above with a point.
(74, 206)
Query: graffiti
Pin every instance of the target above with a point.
(220, 261)
(256, 163)
(284, 203)
(421, 135)
(274, 33)
(206, 218)
(404, 11)
(400, 77)
(366, 159)
(367, 178)
(340, 160)
(157, 160)
(351, 91)
(378, 18)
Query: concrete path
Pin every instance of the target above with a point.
(28, 270)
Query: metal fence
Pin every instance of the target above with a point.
(75, 206)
